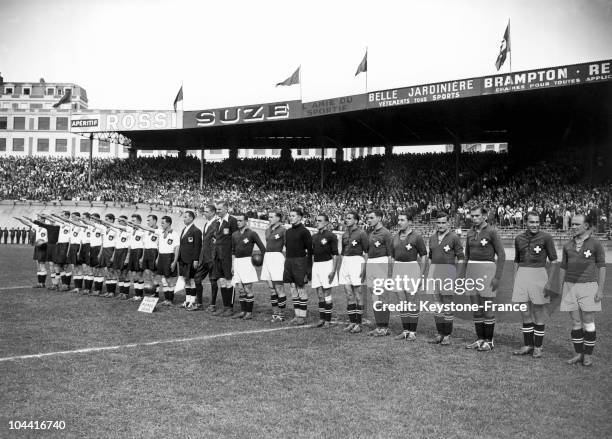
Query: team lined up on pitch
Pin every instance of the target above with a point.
(95, 252)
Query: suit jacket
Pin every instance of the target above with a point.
(190, 245)
(223, 237)
(208, 245)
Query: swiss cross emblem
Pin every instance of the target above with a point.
(88, 234)
(123, 239)
(587, 254)
(245, 240)
(377, 243)
(408, 247)
(324, 241)
(153, 238)
(170, 241)
(43, 234)
(353, 243)
(537, 249)
(190, 239)
(276, 236)
(75, 234)
(137, 238)
(483, 242)
(446, 248)
(65, 231)
(98, 234)
(111, 237)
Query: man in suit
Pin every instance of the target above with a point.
(205, 261)
(189, 254)
(222, 257)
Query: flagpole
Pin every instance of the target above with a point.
(182, 100)
(366, 72)
(510, 38)
(300, 83)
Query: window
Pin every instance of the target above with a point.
(60, 91)
(259, 152)
(18, 144)
(50, 91)
(490, 147)
(44, 123)
(61, 145)
(103, 146)
(19, 123)
(42, 145)
(35, 106)
(276, 152)
(215, 151)
(8, 91)
(26, 90)
(3, 120)
(2, 144)
(84, 145)
(61, 124)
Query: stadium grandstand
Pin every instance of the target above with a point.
(420, 184)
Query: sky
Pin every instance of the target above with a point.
(135, 54)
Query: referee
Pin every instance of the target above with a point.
(222, 258)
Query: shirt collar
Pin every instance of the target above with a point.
(481, 227)
(441, 237)
(408, 232)
(226, 217)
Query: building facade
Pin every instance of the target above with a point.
(31, 126)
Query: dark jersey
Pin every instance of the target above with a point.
(275, 238)
(354, 242)
(324, 246)
(532, 250)
(407, 247)
(380, 243)
(244, 241)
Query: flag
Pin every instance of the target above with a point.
(65, 99)
(363, 65)
(293, 79)
(179, 97)
(504, 48)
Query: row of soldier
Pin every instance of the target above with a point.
(16, 235)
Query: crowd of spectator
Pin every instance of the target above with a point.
(421, 184)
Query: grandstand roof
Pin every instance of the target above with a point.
(541, 105)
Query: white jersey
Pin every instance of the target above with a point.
(75, 235)
(41, 234)
(151, 239)
(97, 235)
(110, 237)
(168, 243)
(123, 240)
(137, 239)
(64, 234)
(83, 235)
(86, 233)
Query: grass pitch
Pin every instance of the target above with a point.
(288, 383)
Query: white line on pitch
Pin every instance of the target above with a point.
(151, 343)
(15, 288)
